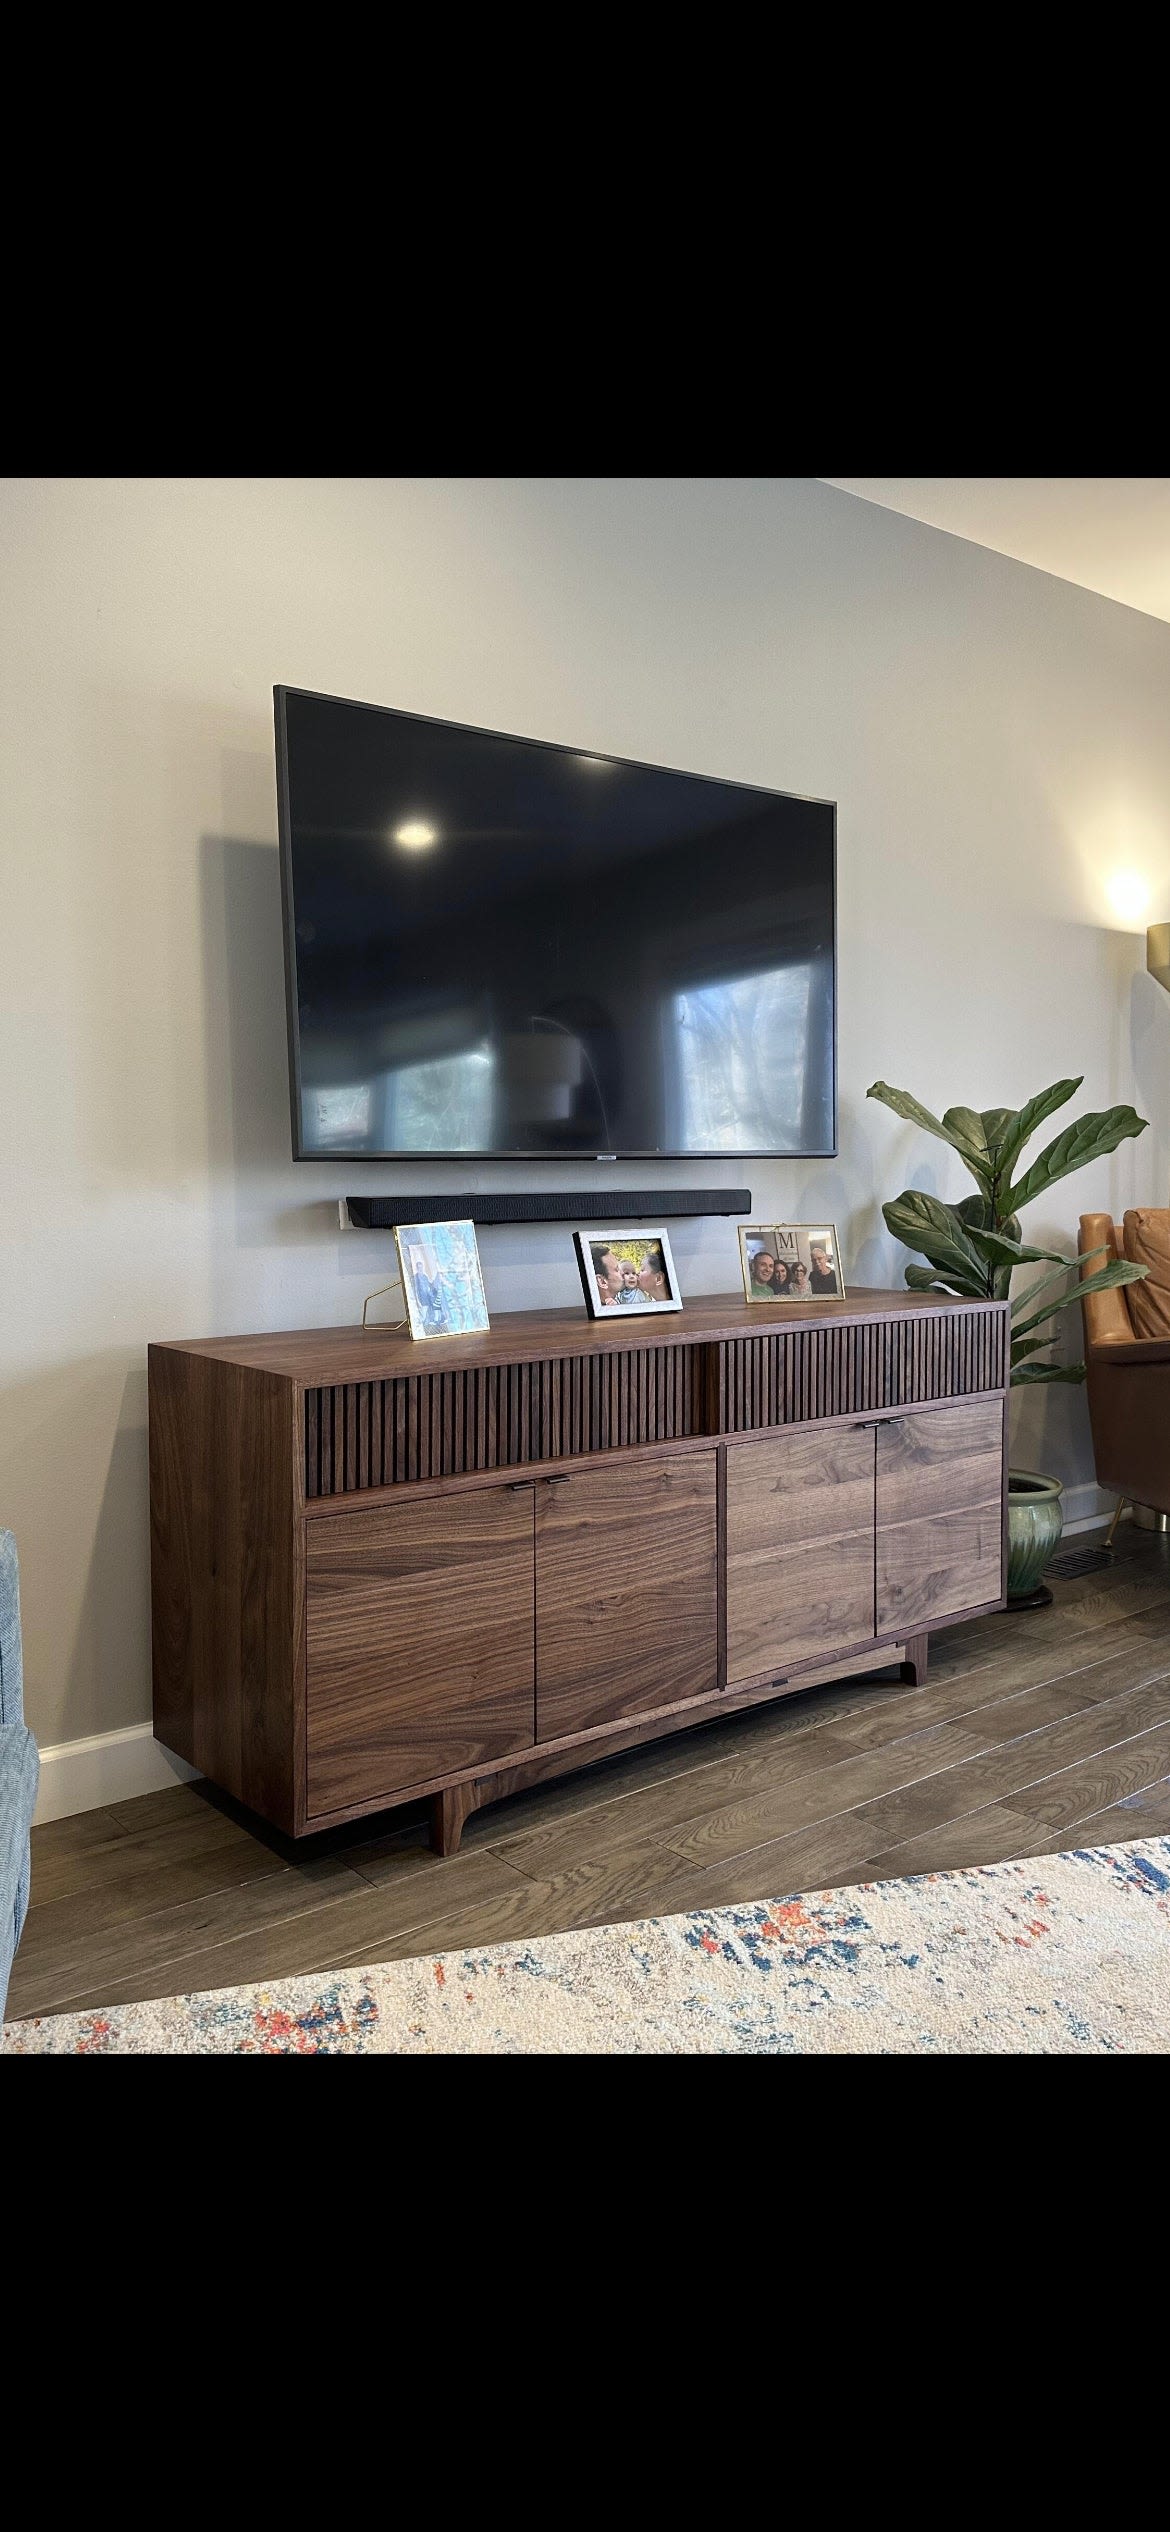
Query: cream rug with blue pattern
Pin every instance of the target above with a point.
(1057, 1955)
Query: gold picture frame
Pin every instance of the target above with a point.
(442, 1279)
(809, 1251)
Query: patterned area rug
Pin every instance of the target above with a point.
(1058, 1955)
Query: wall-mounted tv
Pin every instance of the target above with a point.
(498, 949)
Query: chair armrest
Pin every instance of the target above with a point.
(1128, 1353)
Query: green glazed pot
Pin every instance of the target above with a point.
(1035, 1522)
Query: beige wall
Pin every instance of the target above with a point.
(998, 744)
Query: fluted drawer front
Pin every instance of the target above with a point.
(438, 1423)
(505, 1415)
(800, 1375)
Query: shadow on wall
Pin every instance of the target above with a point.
(86, 1597)
(874, 1261)
(177, 931)
(243, 1001)
(109, 1675)
(249, 1136)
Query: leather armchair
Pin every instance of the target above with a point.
(1127, 1381)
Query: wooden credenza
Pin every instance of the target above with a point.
(383, 1569)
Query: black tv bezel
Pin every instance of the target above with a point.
(548, 747)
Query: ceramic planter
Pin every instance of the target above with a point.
(1035, 1522)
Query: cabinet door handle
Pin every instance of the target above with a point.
(521, 1485)
(558, 1481)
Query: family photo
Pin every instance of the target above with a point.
(441, 1278)
(633, 1271)
(790, 1261)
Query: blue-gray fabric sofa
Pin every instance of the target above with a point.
(20, 1767)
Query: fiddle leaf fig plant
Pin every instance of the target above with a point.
(975, 1247)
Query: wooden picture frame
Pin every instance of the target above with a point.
(809, 1251)
(648, 1281)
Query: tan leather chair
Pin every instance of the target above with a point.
(1127, 1380)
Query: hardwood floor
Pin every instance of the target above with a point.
(1036, 1730)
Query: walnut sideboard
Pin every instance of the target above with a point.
(384, 1569)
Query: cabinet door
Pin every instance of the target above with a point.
(627, 1603)
(940, 1484)
(419, 1626)
(799, 1548)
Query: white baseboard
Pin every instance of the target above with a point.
(1083, 1506)
(109, 1767)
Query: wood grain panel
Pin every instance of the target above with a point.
(626, 1590)
(420, 1642)
(225, 1550)
(939, 1515)
(327, 1357)
(800, 1573)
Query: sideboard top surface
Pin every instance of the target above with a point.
(312, 1357)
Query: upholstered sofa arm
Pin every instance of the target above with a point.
(1105, 1315)
(1127, 1353)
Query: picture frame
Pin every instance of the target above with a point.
(791, 1261)
(442, 1279)
(627, 1273)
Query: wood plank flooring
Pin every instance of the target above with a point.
(1035, 1731)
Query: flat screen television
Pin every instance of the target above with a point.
(498, 949)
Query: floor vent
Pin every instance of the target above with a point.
(1079, 1560)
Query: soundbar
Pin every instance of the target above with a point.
(646, 1205)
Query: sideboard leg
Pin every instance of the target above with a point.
(914, 1666)
(449, 1810)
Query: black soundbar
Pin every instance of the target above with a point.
(646, 1205)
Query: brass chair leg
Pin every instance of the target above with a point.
(1118, 1510)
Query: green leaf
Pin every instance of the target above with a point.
(965, 1128)
(1014, 1253)
(926, 1223)
(1088, 1140)
(904, 1105)
(995, 1123)
(999, 1244)
(1106, 1279)
(1030, 1373)
(1040, 1318)
(979, 1214)
(924, 1279)
(1024, 1345)
(1021, 1127)
(1117, 1272)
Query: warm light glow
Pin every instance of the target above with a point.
(415, 835)
(1129, 896)
(1122, 839)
